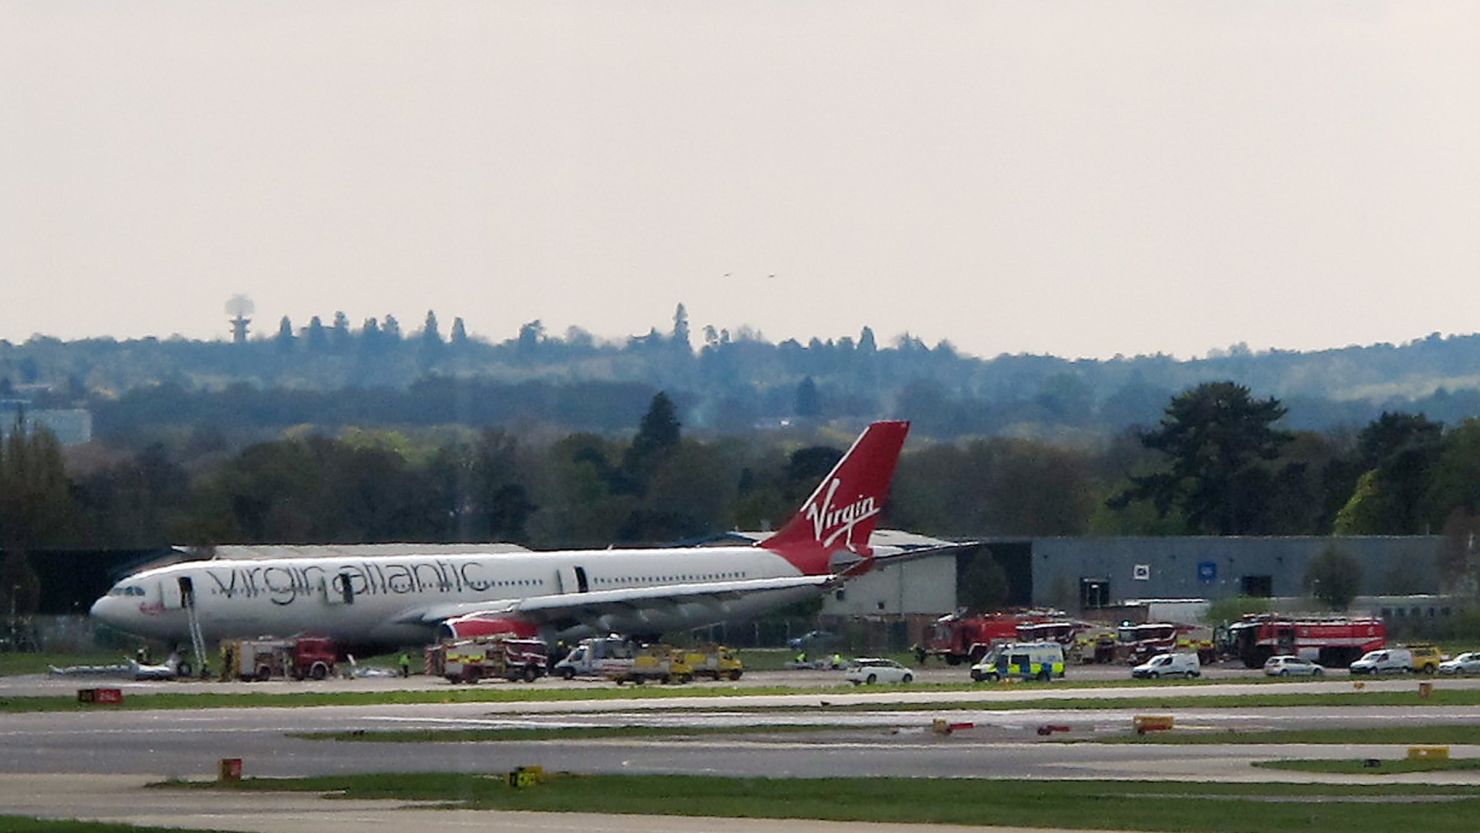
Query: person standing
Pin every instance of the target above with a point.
(405, 665)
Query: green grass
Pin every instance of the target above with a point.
(558, 733)
(1120, 805)
(21, 824)
(1359, 767)
(1415, 735)
(1164, 697)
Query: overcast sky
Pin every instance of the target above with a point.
(1082, 179)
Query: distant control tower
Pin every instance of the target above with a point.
(239, 307)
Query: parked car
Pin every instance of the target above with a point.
(1467, 663)
(1286, 665)
(868, 671)
(1386, 661)
(1169, 665)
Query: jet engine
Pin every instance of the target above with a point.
(474, 624)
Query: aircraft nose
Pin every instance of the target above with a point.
(104, 610)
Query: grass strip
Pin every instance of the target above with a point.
(1120, 805)
(1359, 766)
(557, 733)
(1428, 735)
(1166, 699)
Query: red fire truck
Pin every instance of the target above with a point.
(1329, 640)
(959, 638)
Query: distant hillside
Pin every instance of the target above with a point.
(334, 376)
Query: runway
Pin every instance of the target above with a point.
(859, 741)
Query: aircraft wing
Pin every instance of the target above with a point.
(592, 607)
(889, 556)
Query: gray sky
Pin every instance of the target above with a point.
(1083, 179)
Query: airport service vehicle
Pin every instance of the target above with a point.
(714, 661)
(870, 670)
(1168, 665)
(398, 600)
(1426, 658)
(263, 659)
(1461, 665)
(958, 639)
(313, 658)
(592, 657)
(1329, 640)
(650, 663)
(255, 659)
(1386, 661)
(489, 657)
(1025, 660)
(1291, 666)
(1138, 643)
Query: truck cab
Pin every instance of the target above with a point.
(593, 657)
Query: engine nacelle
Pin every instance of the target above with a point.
(466, 627)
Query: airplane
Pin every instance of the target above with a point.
(388, 601)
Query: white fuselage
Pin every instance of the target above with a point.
(383, 600)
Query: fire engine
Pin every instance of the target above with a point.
(1329, 640)
(470, 660)
(958, 638)
(1138, 643)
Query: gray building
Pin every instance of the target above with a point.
(1080, 573)
(72, 426)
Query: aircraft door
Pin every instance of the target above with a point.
(177, 593)
(573, 580)
(338, 590)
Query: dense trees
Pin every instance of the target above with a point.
(1219, 463)
(1218, 442)
(1334, 578)
(35, 508)
(733, 379)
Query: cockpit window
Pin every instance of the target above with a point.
(130, 590)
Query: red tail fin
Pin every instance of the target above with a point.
(839, 517)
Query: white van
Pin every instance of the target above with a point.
(1168, 665)
(1386, 661)
(1027, 660)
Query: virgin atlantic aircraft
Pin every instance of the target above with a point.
(410, 599)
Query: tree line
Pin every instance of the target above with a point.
(723, 381)
(1218, 462)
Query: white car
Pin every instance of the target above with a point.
(1286, 665)
(1168, 665)
(1463, 664)
(870, 671)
